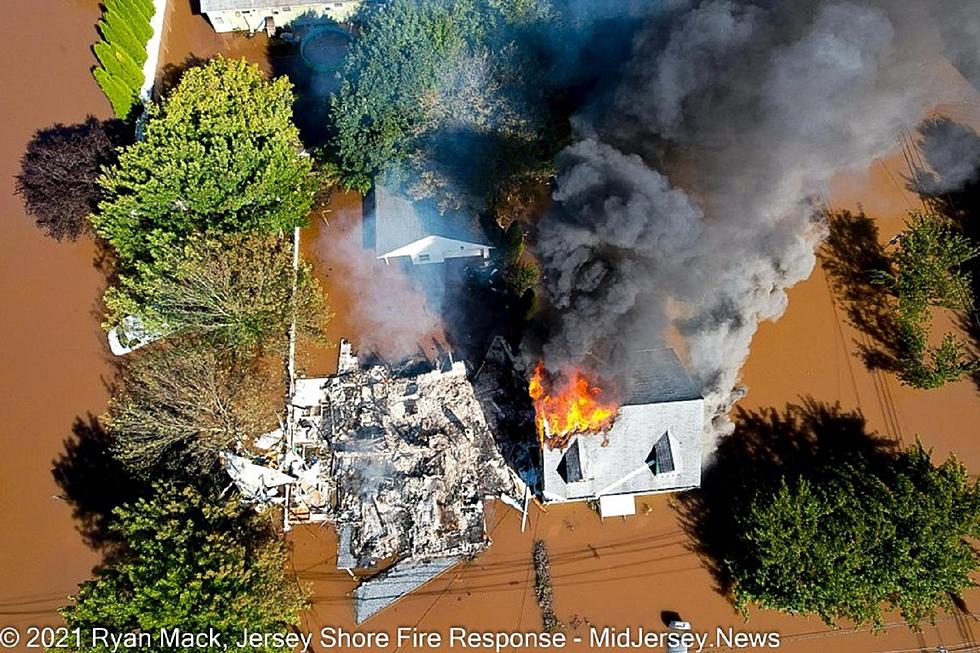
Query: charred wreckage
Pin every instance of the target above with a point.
(402, 464)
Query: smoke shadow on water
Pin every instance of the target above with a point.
(93, 482)
(850, 254)
(811, 439)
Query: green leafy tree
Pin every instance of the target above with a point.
(191, 564)
(438, 87)
(842, 542)
(928, 265)
(927, 272)
(233, 290)
(220, 154)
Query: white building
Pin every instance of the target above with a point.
(270, 15)
(653, 446)
(417, 230)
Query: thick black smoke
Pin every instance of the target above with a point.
(688, 207)
(952, 152)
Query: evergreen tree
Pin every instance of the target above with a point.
(220, 154)
(190, 564)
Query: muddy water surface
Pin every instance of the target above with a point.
(51, 346)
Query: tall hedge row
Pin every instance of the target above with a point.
(125, 29)
(118, 33)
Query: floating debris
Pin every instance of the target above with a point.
(542, 587)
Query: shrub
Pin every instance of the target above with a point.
(121, 53)
(115, 30)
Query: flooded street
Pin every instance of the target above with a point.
(53, 353)
(619, 573)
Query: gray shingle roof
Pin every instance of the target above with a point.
(374, 595)
(657, 375)
(399, 221)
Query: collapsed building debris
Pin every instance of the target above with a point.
(400, 464)
(257, 483)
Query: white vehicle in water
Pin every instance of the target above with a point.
(130, 335)
(681, 627)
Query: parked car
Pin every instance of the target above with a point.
(678, 626)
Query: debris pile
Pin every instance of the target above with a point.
(401, 465)
(542, 587)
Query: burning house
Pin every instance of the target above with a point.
(400, 464)
(649, 443)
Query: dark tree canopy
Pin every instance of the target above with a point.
(447, 93)
(192, 564)
(59, 174)
(219, 154)
(805, 512)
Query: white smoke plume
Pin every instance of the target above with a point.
(688, 206)
(393, 314)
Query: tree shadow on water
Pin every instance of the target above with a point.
(171, 74)
(311, 55)
(850, 255)
(810, 439)
(93, 482)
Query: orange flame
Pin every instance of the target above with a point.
(573, 407)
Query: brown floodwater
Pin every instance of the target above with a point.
(188, 36)
(53, 352)
(618, 573)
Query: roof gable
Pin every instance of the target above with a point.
(570, 467)
(399, 221)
